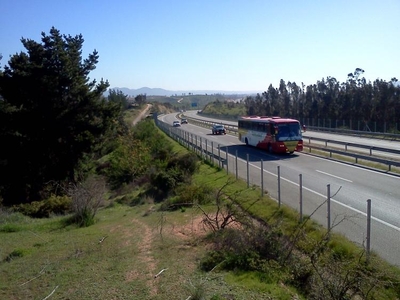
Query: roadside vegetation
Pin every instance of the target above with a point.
(187, 219)
(131, 214)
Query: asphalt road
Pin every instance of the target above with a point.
(350, 187)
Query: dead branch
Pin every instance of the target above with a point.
(40, 274)
(102, 239)
(159, 273)
(51, 293)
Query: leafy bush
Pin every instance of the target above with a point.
(246, 250)
(128, 161)
(211, 260)
(147, 132)
(187, 163)
(179, 170)
(15, 254)
(195, 194)
(44, 209)
(10, 228)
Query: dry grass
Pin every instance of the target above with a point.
(117, 258)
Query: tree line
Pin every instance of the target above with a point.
(356, 99)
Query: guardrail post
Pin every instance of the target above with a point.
(301, 196)
(368, 229)
(279, 186)
(262, 178)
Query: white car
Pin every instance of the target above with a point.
(176, 124)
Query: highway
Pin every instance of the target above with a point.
(350, 188)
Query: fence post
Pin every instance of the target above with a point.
(226, 158)
(279, 186)
(247, 158)
(219, 155)
(262, 178)
(212, 152)
(328, 202)
(368, 229)
(236, 160)
(201, 147)
(205, 152)
(301, 196)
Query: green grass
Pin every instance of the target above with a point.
(38, 256)
(137, 245)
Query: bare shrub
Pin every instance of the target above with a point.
(87, 197)
(228, 212)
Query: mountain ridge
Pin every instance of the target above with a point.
(163, 92)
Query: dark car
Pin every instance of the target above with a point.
(184, 121)
(218, 129)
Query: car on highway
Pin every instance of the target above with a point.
(184, 121)
(176, 124)
(218, 129)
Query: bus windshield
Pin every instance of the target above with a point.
(288, 132)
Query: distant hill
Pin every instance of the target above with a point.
(162, 92)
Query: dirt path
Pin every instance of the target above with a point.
(142, 114)
(145, 255)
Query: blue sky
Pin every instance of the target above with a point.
(224, 45)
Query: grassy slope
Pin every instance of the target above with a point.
(41, 256)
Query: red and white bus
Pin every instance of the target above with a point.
(274, 134)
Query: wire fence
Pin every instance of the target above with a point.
(323, 208)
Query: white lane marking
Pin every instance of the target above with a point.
(328, 174)
(333, 200)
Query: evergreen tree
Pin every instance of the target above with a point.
(51, 114)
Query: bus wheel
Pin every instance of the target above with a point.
(246, 141)
(270, 148)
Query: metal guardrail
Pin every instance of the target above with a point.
(234, 130)
(357, 157)
(370, 134)
(377, 135)
(347, 144)
(389, 163)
